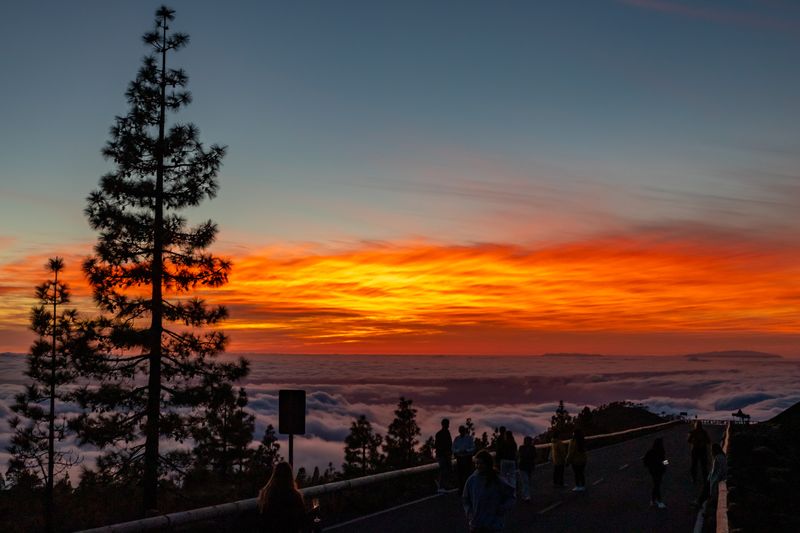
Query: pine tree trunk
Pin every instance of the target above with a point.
(51, 430)
(150, 498)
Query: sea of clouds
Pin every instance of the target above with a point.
(520, 393)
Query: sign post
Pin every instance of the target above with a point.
(291, 416)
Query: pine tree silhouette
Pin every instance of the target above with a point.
(36, 424)
(147, 252)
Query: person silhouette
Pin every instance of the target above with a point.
(443, 443)
(558, 456)
(280, 505)
(527, 462)
(577, 457)
(463, 449)
(699, 441)
(719, 472)
(655, 460)
(486, 498)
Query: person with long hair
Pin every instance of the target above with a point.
(655, 460)
(280, 505)
(719, 472)
(486, 497)
(576, 456)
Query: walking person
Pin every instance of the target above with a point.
(699, 441)
(577, 457)
(527, 462)
(719, 472)
(508, 464)
(558, 456)
(280, 505)
(463, 449)
(486, 498)
(655, 460)
(443, 444)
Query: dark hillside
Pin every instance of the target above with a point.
(764, 462)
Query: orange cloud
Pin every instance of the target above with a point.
(654, 284)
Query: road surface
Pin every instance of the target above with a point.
(616, 500)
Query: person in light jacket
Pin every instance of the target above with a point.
(463, 449)
(486, 498)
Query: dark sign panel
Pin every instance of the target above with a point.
(292, 412)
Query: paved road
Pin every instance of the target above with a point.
(616, 500)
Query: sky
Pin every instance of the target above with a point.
(616, 176)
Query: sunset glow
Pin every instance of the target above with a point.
(423, 297)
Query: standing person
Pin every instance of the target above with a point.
(508, 463)
(486, 498)
(444, 454)
(527, 462)
(558, 456)
(576, 456)
(699, 441)
(719, 472)
(500, 445)
(280, 505)
(463, 449)
(656, 462)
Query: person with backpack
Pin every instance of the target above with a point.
(655, 460)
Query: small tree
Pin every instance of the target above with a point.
(401, 439)
(223, 431)
(482, 442)
(470, 425)
(36, 425)
(561, 421)
(265, 456)
(426, 451)
(362, 449)
(585, 420)
(157, 367)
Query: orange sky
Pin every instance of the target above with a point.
(650, 291)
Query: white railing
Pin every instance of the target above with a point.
(182, 518)
(722, 491)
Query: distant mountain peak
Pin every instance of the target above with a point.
(734, 354)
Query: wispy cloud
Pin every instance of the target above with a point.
(720, 15)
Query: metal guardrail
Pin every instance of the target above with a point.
(183, 518)
(722, 491)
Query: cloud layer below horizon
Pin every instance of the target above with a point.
(518, 392)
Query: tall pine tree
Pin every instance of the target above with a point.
(36, 424)
(158, 365)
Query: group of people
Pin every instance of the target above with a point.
(490, 490)
(655, 460)
(488, 484)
